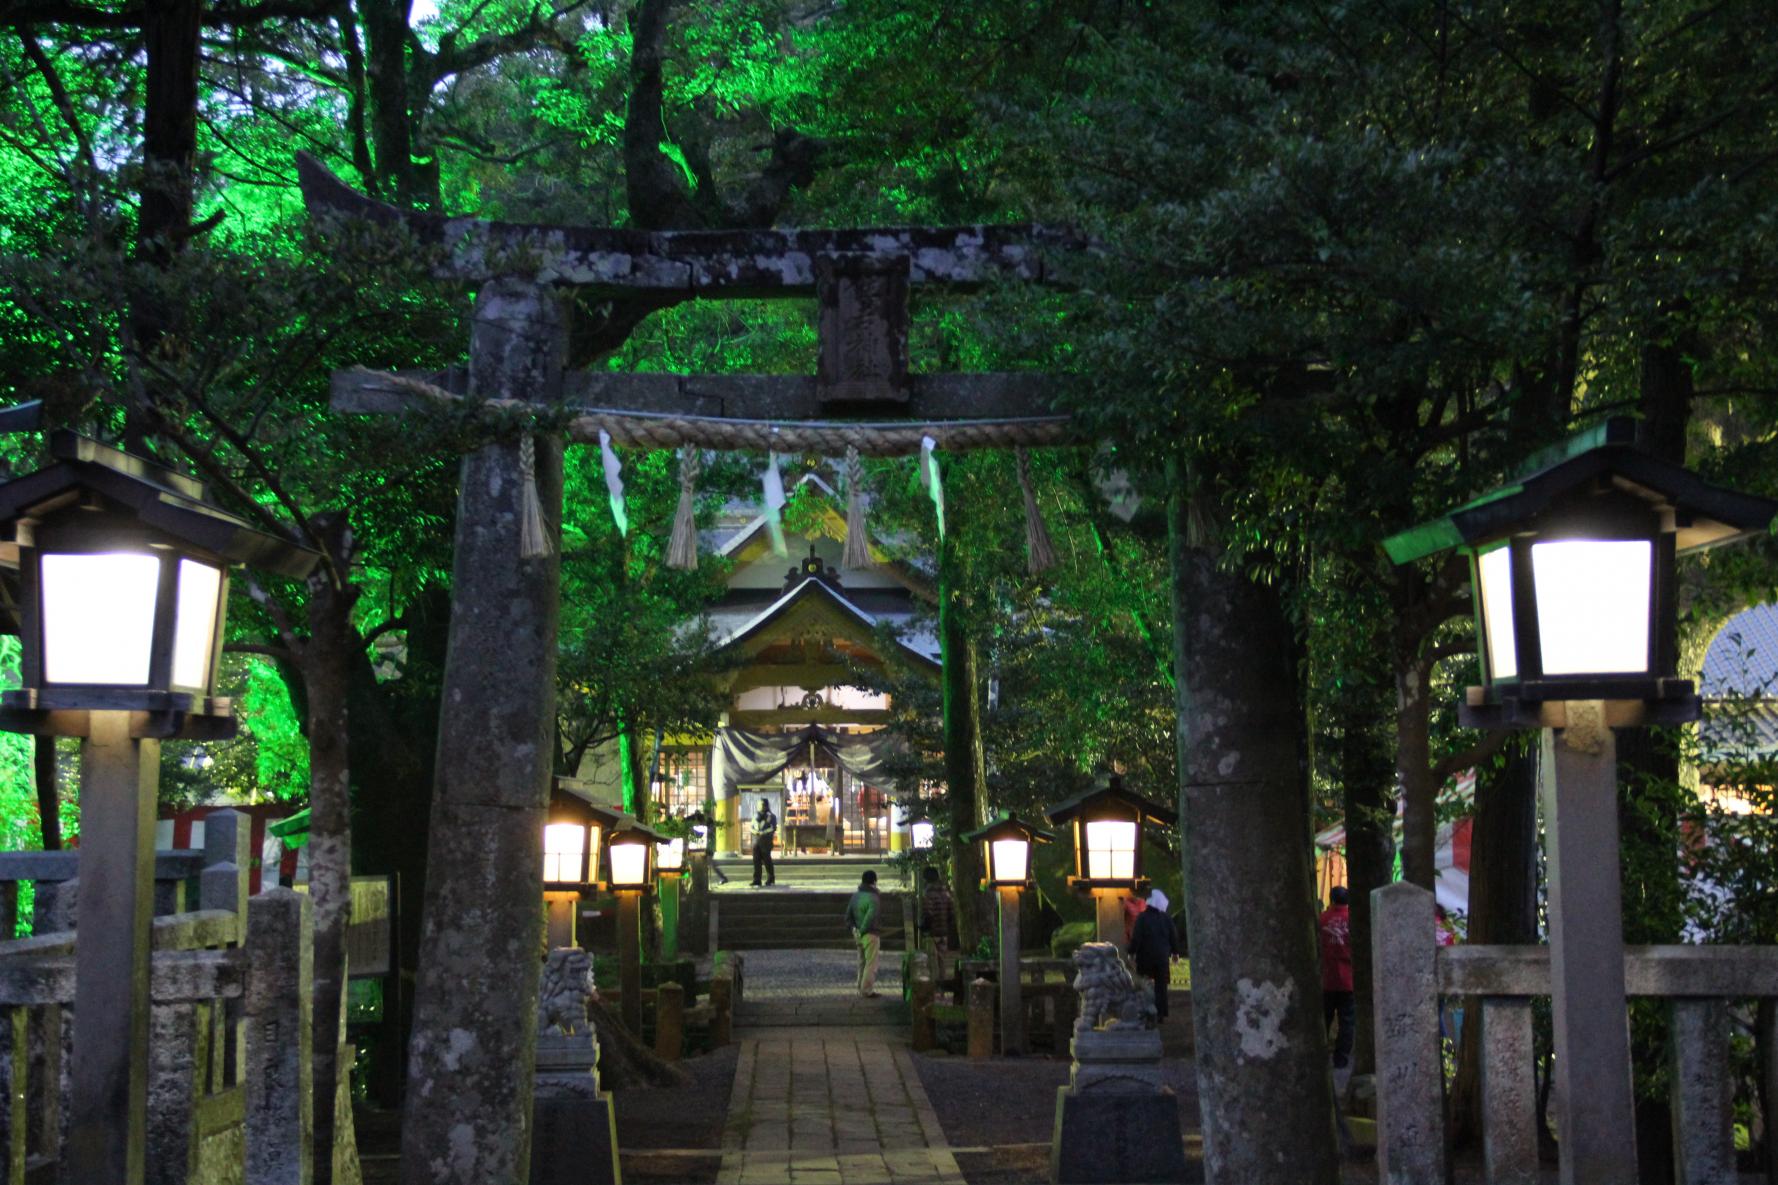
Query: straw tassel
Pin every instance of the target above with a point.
(1040, 555)
(682, 548)
(857, 553)
(533, 537)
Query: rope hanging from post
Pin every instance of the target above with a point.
(828, 438)
(1040, 554)
(533, 538)
(857, 552)
(682, 548)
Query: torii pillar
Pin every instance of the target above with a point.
(475, 1000)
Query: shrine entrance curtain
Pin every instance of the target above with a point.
(749, 757)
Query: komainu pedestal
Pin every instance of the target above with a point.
(1116, 1122)
(574, 1130)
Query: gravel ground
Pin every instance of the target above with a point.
(689, 1116)
(800, 974)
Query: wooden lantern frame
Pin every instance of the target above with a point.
(1009, 826)
(1600, 486)
(94, 500)
(1109, 799)
(572, 802)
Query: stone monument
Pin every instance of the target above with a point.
(1116, 1122)
(574, 1139)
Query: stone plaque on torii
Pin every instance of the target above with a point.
(474, 1021)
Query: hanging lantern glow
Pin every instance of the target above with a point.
(123, 574)
(631, 850)
(1006, 850)
(1108, 824)
(1573, 572)
(669, 856)
(922, 832)
(577, 823)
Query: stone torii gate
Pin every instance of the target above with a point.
(468, 1110)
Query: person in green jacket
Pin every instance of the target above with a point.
(862, 913)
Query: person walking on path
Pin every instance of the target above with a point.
(862, 913)
(1154, 946)
(1133, 907)
(1336, 973)
(765, 830)
(937, 912)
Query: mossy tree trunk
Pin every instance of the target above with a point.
(1265, 1093)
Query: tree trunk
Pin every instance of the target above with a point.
(1502, 903)
(328, 654)
(964, 759)
(387, 30)
(49, 806)
(1413, 767)
(393, 741)
(467, 1117)
(1264, 1089)
(1368, 786)
(169, 144)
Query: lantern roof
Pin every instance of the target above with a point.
(1009, 826)
(167, 502)
(1606, 456)
(1111, 788)
(571, 796)
(629, 825)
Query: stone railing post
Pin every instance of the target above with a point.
(1509, 1092)
(14, 1126)
(223, 882)
(1702, 1092)
(1410, 1076)
(280, 1095)
(981, 1019)
(177, 1067)
(923, 1037)
(669, 1021)
(722, 1005)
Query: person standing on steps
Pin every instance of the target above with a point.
(765, 830)
(862, 913)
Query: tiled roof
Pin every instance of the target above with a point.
(1740, 688)
(1743, 657)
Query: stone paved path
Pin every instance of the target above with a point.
(826, 1106)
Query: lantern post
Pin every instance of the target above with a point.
(573, 838)
(1108, 823)
(1006, 854)
(123, 582)
(1572, 574)
(670, 868)
(631, 849)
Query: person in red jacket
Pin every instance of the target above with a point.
(1336, 972)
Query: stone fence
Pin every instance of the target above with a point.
(1412, 972)
(229, 1096)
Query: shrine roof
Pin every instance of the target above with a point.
(920, 648)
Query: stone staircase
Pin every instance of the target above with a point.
(797, 919)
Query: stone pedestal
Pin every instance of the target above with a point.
(1116, 1123)
(574, 1137)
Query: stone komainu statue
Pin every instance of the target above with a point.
(567, 982)
(1109, 993)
